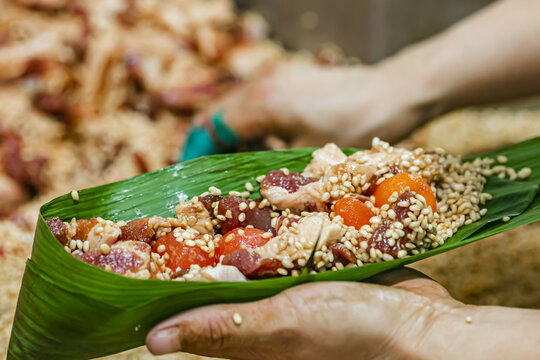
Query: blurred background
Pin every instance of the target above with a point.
(368, 30)
(98, 91)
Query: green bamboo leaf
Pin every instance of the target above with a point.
(68, 309)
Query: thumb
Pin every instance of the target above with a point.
(237, 331)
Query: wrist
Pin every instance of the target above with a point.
(416, 79)
(482, 332)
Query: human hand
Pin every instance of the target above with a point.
(312, 105)
(329, 320)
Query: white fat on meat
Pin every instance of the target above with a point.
(219, 273)
(306, 197)
(304, 238)
(324, 158)
(104, 232)
(193, 214)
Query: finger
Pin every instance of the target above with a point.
(396, 276)
(411, 280)
(250, 330)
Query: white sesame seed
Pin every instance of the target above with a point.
(524, 173)
(282, 271)
(287, 263)
(105, 249)
(229, 238)
(161, 248)
(242, 217)
(243, 206)
(237, 318)
(325, 196)
(502, 159)
(249, 187)
(86, 246)
(241, 232)
(506, 219)
(387, 257)
(75, 195)
(468, 320)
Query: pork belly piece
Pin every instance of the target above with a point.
(289, 190)
(324, 158)
(291, 248)
(194, 214)
(58, 229)
(131, 258)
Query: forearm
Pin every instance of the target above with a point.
(491, 56)
(483, 332)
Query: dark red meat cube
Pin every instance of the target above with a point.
(258, 218)
(138, 230)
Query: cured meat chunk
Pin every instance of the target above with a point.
(58, 229)
(251, 264)
(232, 208)
(125, 257)
(138, 230)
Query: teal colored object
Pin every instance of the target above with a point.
(200, 141)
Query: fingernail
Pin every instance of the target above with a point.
(164, 341)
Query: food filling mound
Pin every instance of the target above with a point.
(342, 211)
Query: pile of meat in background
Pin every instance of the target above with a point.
(97, 91)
